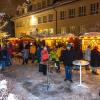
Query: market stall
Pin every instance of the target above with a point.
(3, 35)
(27, 38)
(13, 40)
(92, 39)
(56, 39)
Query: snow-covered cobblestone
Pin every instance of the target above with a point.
(26, 83)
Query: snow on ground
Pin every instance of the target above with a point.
(26, 83)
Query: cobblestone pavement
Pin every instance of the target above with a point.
(29, 84)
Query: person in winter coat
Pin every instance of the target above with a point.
(52, 55)
(25, 55)
(67, 58)
(87, 55)
(58, 52)
(78, 55)
(44, 54)
(44, 58)
(6, 57)
(38, 54)
(33, 52)
(10, 52)
(95, 59)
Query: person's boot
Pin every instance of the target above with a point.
(95, 73)
(71, 81)
(65, 79)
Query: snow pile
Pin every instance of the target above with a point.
(4, 95)
(3, 85)
(11, 97)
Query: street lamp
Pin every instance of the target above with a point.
(33, 20)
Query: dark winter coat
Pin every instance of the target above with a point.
(95, 58)
(78, 55)
(67, 57)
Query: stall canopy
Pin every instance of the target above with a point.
(91, 38)
(91, 34)
(58, 38)
(27, 38)
(13, 39)
(3, 35)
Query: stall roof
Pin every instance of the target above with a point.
(92, 34)
(27, 37)
(55, 36)
(13, 38)
(3, 34)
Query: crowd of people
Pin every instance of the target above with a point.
(42, 54)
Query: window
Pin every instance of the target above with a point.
(39, 20)
(46, 31)
(72, 29)
(43, 3)
(34, 7)
(94, 8)
(83, 29)
(44, 19)
(82, 11)
(39, 5)
(51, 30)
(63, 30)
(62, 15)
(71, 13)
(49, 2)
(50, 17)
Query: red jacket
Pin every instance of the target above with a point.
(44, 55)
(10, 51)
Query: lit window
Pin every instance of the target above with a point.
(51, 30)
(63, 30)
(33, 20)
(46, 31)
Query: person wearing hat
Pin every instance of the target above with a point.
(67, 58)
(95, 60)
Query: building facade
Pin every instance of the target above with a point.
(62, 17)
